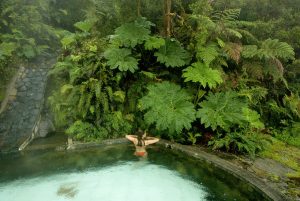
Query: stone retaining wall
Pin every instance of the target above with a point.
(21, 117)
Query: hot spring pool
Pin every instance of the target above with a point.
(113, 173)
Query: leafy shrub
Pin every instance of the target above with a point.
(240, 142)
(227, 110)
(116, 125)
(83, 131)
(290, 135)
(168, 107)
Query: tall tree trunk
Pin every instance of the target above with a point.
(138, 2)
(167, 17)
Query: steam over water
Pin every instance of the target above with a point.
(130, 181)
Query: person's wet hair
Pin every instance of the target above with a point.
(140, 139)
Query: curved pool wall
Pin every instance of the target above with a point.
(268, 191)
(213, 165)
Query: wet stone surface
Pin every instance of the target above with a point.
(23, 110)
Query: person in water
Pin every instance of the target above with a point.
(141, 141)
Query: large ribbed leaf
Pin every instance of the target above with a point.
(154, 43)
(131, 34)
(172, 54)
(200, 72)
(168, 107)
(226, 110)
(121, 58)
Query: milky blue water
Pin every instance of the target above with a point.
(115, 174)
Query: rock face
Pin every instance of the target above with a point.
(22, 120)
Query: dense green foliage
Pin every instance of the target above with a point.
(225, 75)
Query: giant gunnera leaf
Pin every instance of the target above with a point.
(168, 107)
(121, 58)
(131, 34)
(226, 110)
(154, 43)
(172, 54)
(200, 72)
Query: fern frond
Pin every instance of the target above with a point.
(293, 103)
(200, 72)
(254, 69)
(121, 58)
(271, 49)
(249, 51)
(274, 68)
(254, 94)
(252, 117)
(172, 54)
(228, 15)
(61, 67)
(207, 53)
(234, 51)
(234, 33)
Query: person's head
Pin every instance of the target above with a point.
(141, 136)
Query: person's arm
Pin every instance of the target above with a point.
(132, 138)
(151, 140)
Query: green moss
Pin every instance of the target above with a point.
(2, 92)
(283, 153)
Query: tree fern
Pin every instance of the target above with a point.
(234, 51)
(207, 53)
(200, 72)
(121, 58)
(168, 107)
(254, 69)
(228, 15)
(172, 54)
(276, 49)
(269, 49)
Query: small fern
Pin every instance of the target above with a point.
(200, 72)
